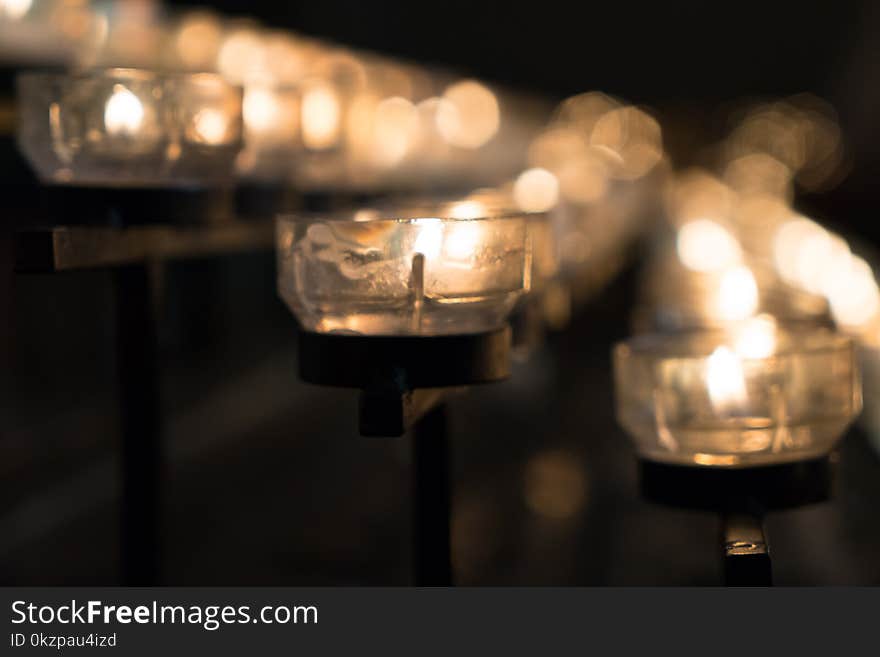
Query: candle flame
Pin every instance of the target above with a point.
(462, 240)
(259, 109)
(210, 126)
(725, 380)
(123, 113)
(737, 294)
(430, 237)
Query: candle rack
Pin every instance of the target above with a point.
(138, 167)
(404, 382)
(406, 307)
(741, 497)
(132, 254)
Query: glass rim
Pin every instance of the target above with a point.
(403, 215)
(659, 346)
(129, 72)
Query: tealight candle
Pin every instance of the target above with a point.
(752, 394)
(129, 127)
(402, 273)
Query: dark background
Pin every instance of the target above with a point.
(268, 481)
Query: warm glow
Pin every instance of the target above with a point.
(792, 239)
(198, 40)
(801, 132)
(759, 173)
(584, 179)
(582, 170)
(467, 210)
(462, 240)
(123, 113)
(555, 146)
(634, 136)
(853, 294)
(555, 485)
(394, 127)
(321, 118)
(241, 56)
(365, 214)
(286, 59)
(430, 237)
(725, 380)
(697, 194)
(470, 116)
(737, 294)
(210, 126)
(536, 190)
(808, 256)
(705, 245)
(263, 114)
(259, 109)
(585, 109)
(756, 338)
(14, 9)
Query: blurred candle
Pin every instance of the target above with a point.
(470, 117)
(321, 117)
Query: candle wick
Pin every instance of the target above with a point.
(781, 435)
(417, 287)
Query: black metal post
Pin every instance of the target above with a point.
(744, 550)
(140, 416)
(431, 499)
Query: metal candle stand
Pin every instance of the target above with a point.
(131, 231)
(741, 496)
(404, 382)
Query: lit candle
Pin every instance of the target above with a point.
(417, 274)
(129, 127)
(321, 117)
(725, 378)
(752, 394)
(725, 381)
(123, 112)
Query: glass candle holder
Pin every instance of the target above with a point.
(753, 394)
(272, 140)
(402, 273)
(129, 127)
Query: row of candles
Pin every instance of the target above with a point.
(312, 113)
(740, 362)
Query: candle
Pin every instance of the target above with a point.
(129, 127)
(706, 278)
(470, 117)
(404, 273)
(321, 117)
(752, 394)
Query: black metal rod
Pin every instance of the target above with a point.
(744, 550)
(431, 499)
(140, 416)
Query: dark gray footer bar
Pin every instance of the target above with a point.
(352, 621)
